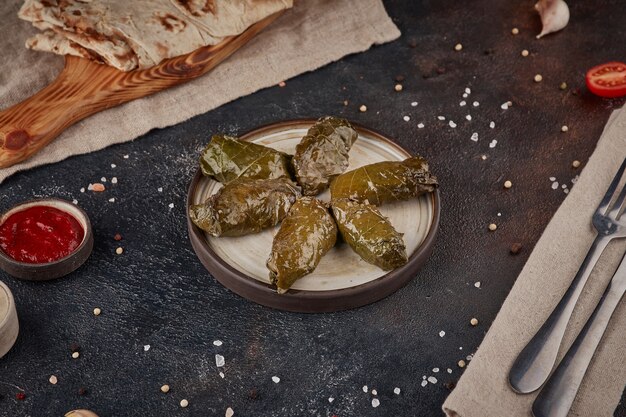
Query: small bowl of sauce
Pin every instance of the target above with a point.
(44, 239)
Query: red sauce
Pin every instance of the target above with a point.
(40, 234)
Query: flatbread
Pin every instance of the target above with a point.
(129, 34)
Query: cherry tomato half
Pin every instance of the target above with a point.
(607, 80)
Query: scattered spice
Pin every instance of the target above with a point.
(165, 389)
(538, 78)
(184, 403)
(493, 227)
(461, 363)
(563, 86)
(97, 311)
(441, 70)
(345, 102)
(253, 394)
(97, 187)
(20, 396)
(363, 108)
(564, 128)
(82, 391)
(508, 184)
(576, 164)
(458, 47)
(75, 355)
(516, 248)
(117, 237)
(53, 380)
(515, 31)
(399, 78)
(74, 347)
(412, 43)
(119, 250)
(450, 385)
(398, 87)
(525, 52)
(474, 322)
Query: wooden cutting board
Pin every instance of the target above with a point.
(85, 87)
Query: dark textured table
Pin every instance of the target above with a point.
(158, 294)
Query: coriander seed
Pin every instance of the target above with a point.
(508, 184)
(493, 227)
(461, 363)
(538, 78)
(184, 403)
(165, 389)
(363, 108)
(576, 164)
(398, 87)
(515, 31)
(96, 311)
(119, 250)
(474, 322)
(525, 52)
(564, 128)
(458, 47)
(75, 355)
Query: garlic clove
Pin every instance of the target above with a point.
(81, 413)
(554, 15)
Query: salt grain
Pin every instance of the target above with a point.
(552, 179)
(493, 143)
(217, 342)
(229, 412)
(114, 180)
(113, 166)
(449, 370)
(103, 179)
(468, 91)
(331, 399)
(53, 380)
(432, 379)
(74, 201)
(112, 200)
(452, 124)
(465, 95)
(505, 106)
(424, 383)
(462, 103)
(374, 392)
(219, 361)
(442, 333)
(171, 205)
(475, 104)
(160, 189)
(125, 156)
(435, 370)
(364, 388)
(477, 284)
(146, 348)
(441, 118)
(221, 374)
(420, 126)
(82, 190)
(406, 118)
(276, 379)
(414, 104)
(492, 125)
(396, 391)
(375, 402)
(468, 117)
(555, 185)
(474, 137)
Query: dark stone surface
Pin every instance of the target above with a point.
(157, 293)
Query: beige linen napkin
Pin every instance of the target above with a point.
(309, 36)
(483, 390)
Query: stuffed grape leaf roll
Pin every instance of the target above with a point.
(323, 154)
(305, 236)
(226, 158)
(384, 182)
(369, 234)
(245, 206)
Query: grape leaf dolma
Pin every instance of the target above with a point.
(384, 182)
(369, 234)
(245, 206)
(323, 154)
(226, 158)
(305, 236)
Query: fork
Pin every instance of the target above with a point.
(556, 398)
(533, 365)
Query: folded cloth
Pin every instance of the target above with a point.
(309, 36)
(483, 391)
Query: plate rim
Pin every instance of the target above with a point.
(304, 301)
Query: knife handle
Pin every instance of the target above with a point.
(557, 396)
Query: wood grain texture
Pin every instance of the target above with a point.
(84, 87)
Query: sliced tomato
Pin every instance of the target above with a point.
(607, 80)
